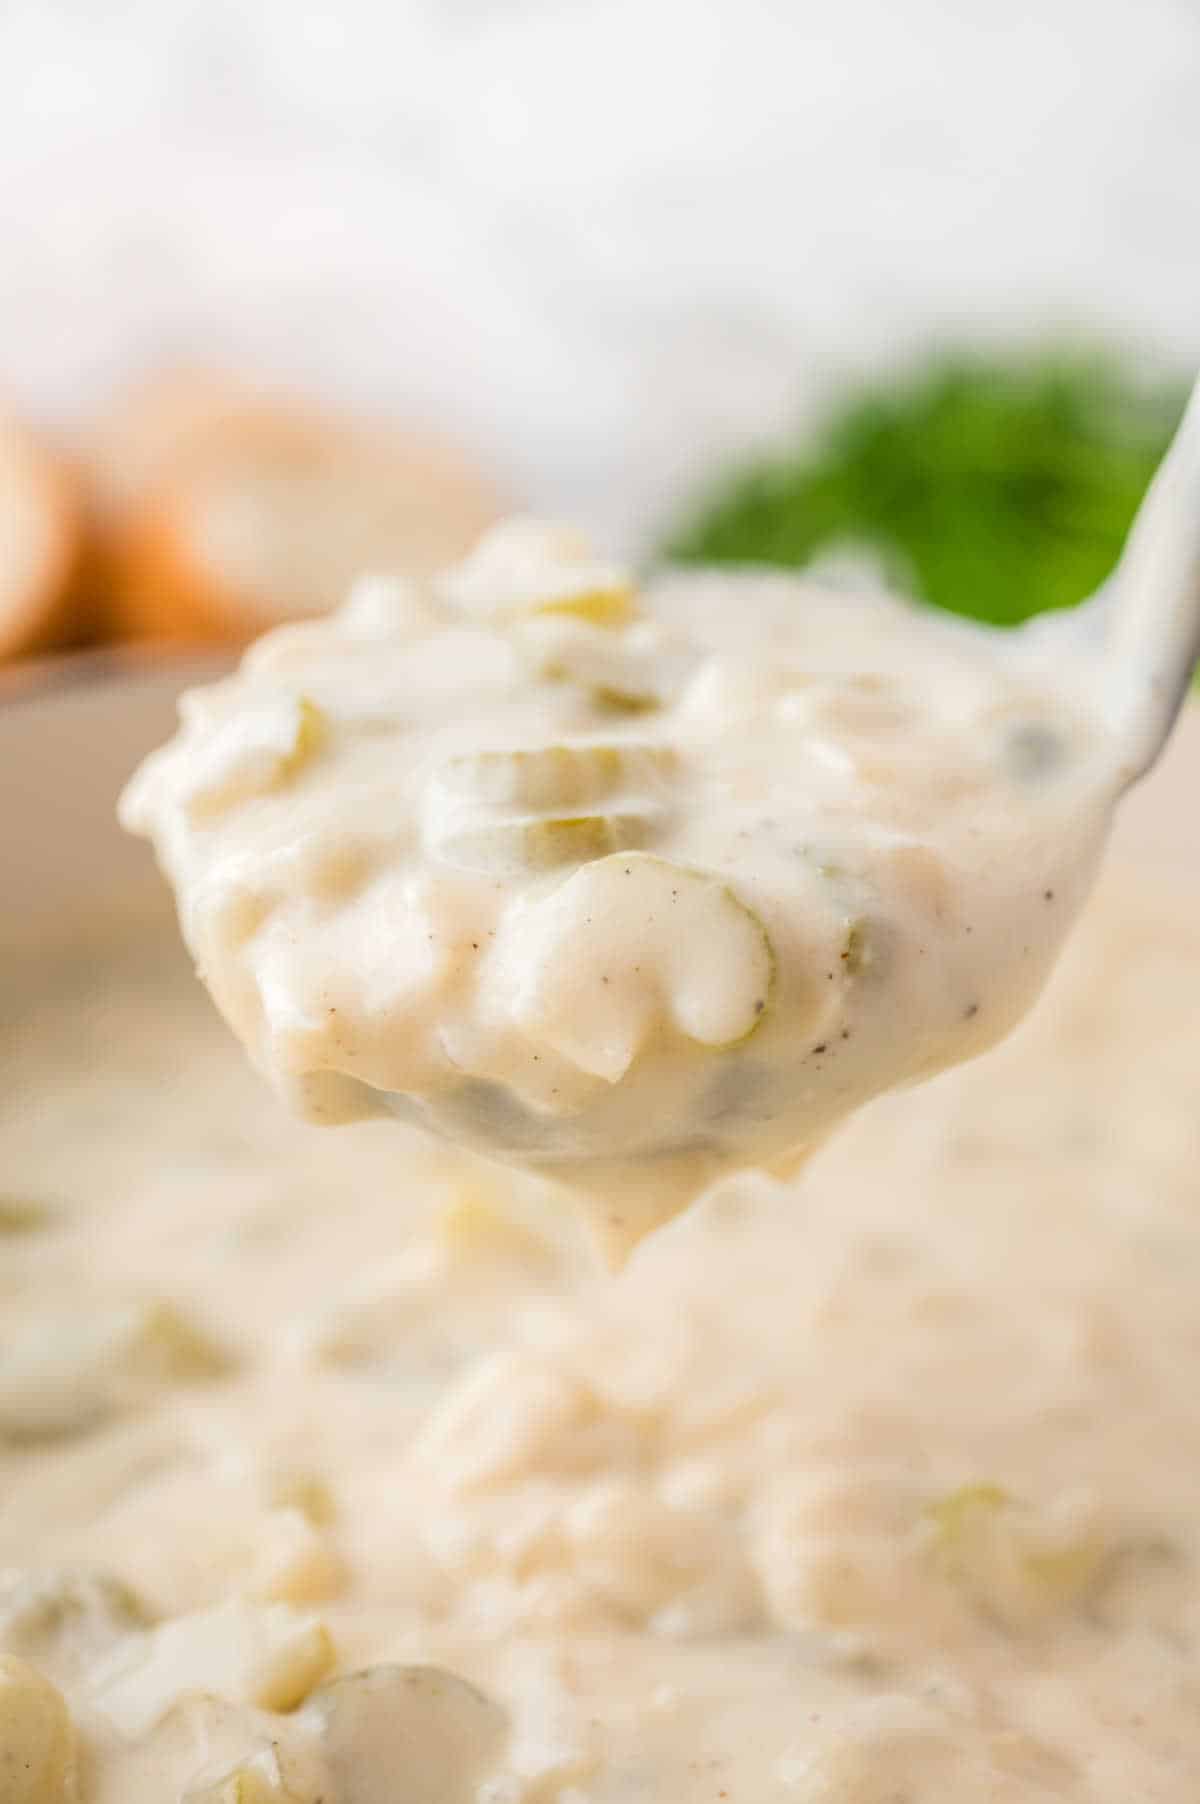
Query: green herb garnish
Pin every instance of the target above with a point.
(992, 487)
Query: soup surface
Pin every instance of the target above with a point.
(880, 1486)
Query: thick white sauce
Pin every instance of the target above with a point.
(628, 890)
(878, 1487)
(332, 1473)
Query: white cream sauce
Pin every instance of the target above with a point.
(331, 1471)
(876, 1488)
(627, 890)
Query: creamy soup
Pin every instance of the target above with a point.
(631, 890)
(331, 1470)
(878, 1487)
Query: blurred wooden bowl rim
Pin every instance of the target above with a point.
(95, 666)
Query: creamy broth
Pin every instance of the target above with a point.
(876, 1487)
(334, 1472)
(629, 890)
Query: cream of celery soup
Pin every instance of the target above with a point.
(631, 890)
(332, 1471)
(880, 1487)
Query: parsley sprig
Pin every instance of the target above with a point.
(995, 487)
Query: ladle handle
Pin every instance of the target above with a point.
(1152, 603)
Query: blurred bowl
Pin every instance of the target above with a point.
(71, 731)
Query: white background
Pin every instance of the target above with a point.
(603, 241)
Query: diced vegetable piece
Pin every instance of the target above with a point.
(634, 671)
(296, 1564)
(66, 1615)
(223, 1753)
(678, 949)
(293, 1488)
(960, 1513)
(155, 1339)
(553, 1746)
(386, 607)
(1019, 1562)
(642, 1555)
(531, 567)
(554, 776)
(609, 604)
(258, 1780)
(256, 751)
(264, 1654)
(521, 848)
(37, 1741)
(572, 803)
(415, 1731)
(1063, 1566)
(825, 1543)
(477, 1225)
(378, 608)
(62, 1373)
(503, 1416)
